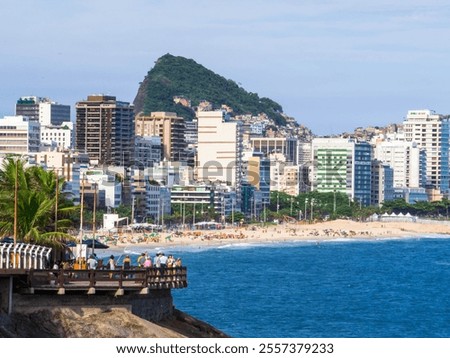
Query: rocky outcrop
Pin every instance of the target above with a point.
(83, 322)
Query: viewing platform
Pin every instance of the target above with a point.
(120, 281)
(23, 271)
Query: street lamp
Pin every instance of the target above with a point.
(278, 201)
(223, 210)
(232, 211)
(306, 203)
(16, 200)
(334, 201)
(183, 208)
(264, 208)
(56, 200)
(93, 216)
(132, 208)
(82, 207)
(161, 212)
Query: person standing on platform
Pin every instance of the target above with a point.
(163, 260)
(141, 260)
(156, 260)
(92, 263)
(127, 265)
(148, 262)
(111, 265)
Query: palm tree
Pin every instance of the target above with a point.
(36, 203)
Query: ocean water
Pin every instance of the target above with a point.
(341, 288)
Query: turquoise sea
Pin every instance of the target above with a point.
(341, 288)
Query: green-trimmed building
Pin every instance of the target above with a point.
(342, 165)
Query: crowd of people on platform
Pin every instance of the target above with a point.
(144, 261)
(166, 269)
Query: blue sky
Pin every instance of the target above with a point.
(332, 65)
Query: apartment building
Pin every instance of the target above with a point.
(431, 132)
(342, 165)
(43, 110)
(169, 127)
(285, 146)
(105, 130)
(19, 135)
(219, 152)
(405, 158)
(62, 135)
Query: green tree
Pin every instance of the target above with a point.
(37, 195)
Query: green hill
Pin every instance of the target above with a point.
(178, 76)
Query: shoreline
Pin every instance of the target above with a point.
(336, 230)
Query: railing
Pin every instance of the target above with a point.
(133, 279)
(23, 256)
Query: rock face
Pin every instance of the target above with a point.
(67, 322)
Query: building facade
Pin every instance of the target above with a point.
(19, 135)
(147, 151)
(431, 132)
(342, 165)
(219, 152)
(382, 183)
(285, 146)
(169, 127)
(43, 110)
(404, 158)
(62, 135)
(105, 130)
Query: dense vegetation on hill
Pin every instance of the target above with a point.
(178, 76)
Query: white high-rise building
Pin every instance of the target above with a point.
(19, 135)
(404, 159)
(284, 176)
(431, 132)
(62, 135)
(219, 153)
(43, 110)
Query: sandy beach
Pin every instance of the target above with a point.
(321, 231)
